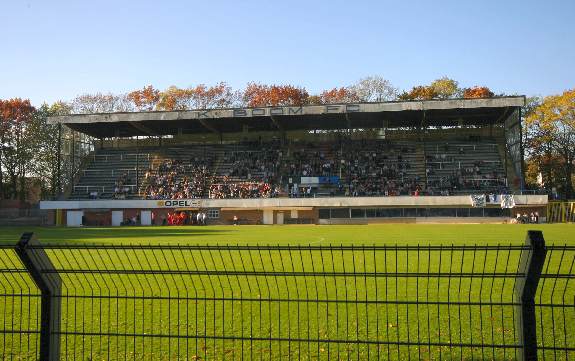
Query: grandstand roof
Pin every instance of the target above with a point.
(451, 112)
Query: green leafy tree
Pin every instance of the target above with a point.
(45, 147)
(551, 140)
(16, 153)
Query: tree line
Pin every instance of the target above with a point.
(221, 95)
(29, 145)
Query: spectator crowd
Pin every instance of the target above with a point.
(175, 180)
(228, 189)
(359, 167)
(122, 186)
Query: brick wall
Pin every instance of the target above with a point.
(98, 218)
(248, 217)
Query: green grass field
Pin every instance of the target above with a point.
(250, 307)
(304, 234)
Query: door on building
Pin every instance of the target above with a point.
(280, 218)
(117, 218)
(268, 216)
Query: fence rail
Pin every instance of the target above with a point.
(276, 302)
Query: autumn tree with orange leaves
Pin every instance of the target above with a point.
(550, 141)
(442, 88)
(477, 92)
(419, 93)
(338, 95)
(201, 96)
(260, 95)
(145, 99)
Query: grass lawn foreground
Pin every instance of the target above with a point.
(248, 309)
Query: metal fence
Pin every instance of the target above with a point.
(222, 302)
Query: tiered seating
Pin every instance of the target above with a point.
(179, 172)
(364, 167)
(380, 168)
(106, 168)
(254, 170)
(464, 167)
(247, 171)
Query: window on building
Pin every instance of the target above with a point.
(213, 213)
(340, 213)
(357, 213)
(324, 213)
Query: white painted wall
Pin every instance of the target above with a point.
(259, 203)
(146, 218)
(74, 218)
(293, 213)
(280, 217)
(117, 218)
(268, 216)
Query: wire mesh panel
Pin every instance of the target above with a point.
(555, 305)
(138, 302)
(19, 309)
(142, 302)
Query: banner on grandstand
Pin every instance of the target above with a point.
(507, 201)
(319, 180)
(171, 203)
(477, 200)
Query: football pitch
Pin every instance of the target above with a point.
(308, 302)
(411, 234)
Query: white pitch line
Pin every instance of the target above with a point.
(320, 240)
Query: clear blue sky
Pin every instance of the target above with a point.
(59, 49)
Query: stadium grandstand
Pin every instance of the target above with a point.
(457, 160)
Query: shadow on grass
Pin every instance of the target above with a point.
(121, 234)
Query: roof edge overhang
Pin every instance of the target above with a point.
(328, 116)
(342, 108)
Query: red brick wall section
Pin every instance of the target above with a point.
(313, 215)
(103, 218)
(245, 217)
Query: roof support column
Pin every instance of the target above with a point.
(280, 128)
(116, 136)
(59, 170)
(348, 125)
(423, 126)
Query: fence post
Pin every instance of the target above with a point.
(531, 265)
(37, 262)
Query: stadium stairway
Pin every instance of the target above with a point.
(447, 159)
(106, 167)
